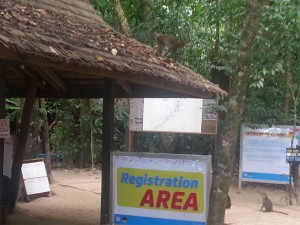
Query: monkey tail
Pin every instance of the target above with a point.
(280, 212)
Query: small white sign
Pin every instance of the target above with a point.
(179, 115)
(173, 115)
(35, 177)
(4, 128)
(37, 185)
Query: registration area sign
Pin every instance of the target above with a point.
(160, 188)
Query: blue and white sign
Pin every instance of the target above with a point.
(263, 153)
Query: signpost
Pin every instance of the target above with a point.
(160, 189)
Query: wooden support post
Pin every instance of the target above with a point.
(22, 140)
(130, 140)
(2, 116)
(107, 144)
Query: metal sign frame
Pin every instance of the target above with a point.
(161, 164)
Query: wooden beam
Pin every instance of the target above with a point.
(46, 80)
(53, 77)
(107, 147)
(29, 73)
(2, 116)
(22, 140)
(140, 78)
(126, 87)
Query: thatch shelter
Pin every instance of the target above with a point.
(67, 47)
(63, 49)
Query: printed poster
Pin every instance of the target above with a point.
(263, 153)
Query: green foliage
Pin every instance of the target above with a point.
(173, 143)
(66, 136)
(13, 109)
(212, 31)
(121, 126)
(277, 40)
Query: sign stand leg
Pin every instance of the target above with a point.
(290, 185)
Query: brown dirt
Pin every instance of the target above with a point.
(246, 204)
(77, 202)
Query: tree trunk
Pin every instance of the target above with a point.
(85, 125)
(21, 144)
(227, 136)
(122, 19)
(146, 10)
(32, 146)
(287, 95)
(46, 143)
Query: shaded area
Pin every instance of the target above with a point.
(74, 202)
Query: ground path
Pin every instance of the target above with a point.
(77, 202)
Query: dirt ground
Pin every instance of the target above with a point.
(77, 202)
(246, 204)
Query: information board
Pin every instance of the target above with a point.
(263, 153)
(160, 188)
(180, 115)
(35, 177)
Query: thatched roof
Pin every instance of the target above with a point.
(66, 46)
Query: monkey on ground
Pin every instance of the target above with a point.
(267, 204)
(167, 45)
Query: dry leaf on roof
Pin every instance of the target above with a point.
(32, 23)
(53, 50)
(114, 51)
(19, 17)
(7, 16)
(20, 7)
(41, 11)
(99, 58)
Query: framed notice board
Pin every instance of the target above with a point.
(177, 115)
(263, 153)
